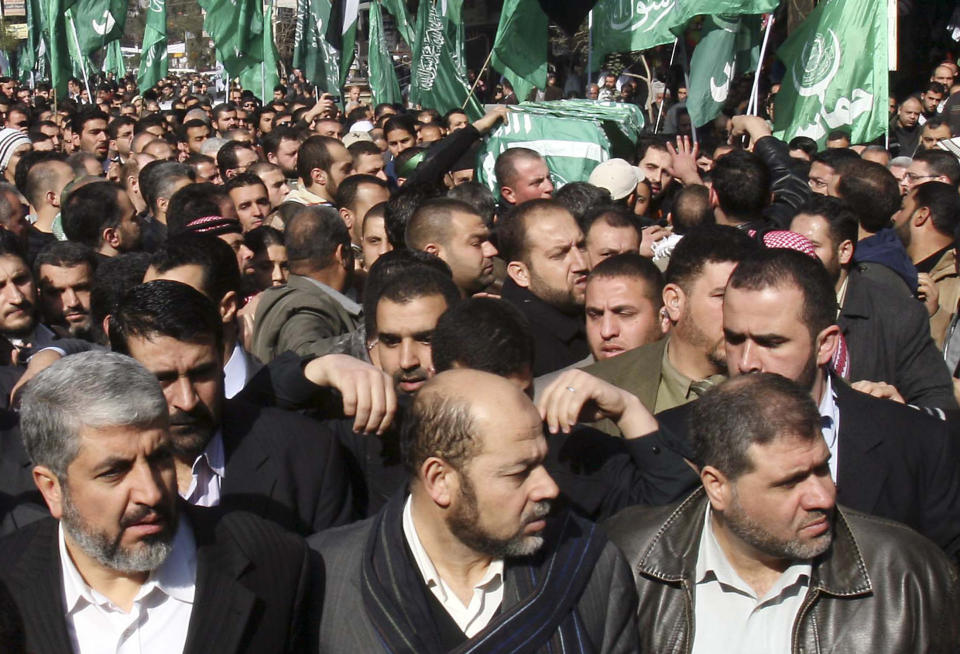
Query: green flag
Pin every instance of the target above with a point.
(383, 77)
(402, 19)
(435, 79)
(311, 52)
(729, 46)
(236, 27)
(342, 33)
(113, 62)
(520, 48)
(28, 53)
(99, 22)
(836, 73)
(261, 78)
(627, 25)
(53, 18)
(153, 56)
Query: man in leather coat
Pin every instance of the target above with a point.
(761, 559)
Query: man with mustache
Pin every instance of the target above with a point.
(273, 463)
(65, 271)
(547, 265)
(470, 555)
(122, 565)
(761, 559)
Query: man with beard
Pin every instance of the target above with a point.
(64, 271)
(455, 232)
(679, 368)
(887, 331)
(275, 464)
(926, 224)
(118, 567)
(20, 330)
(471, 554)
(761, 559)
(322, 164)
(780, 316)
(547, 266)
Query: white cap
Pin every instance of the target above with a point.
(617, 176)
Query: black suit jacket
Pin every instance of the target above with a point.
(252, 580)
(893, 461)
(284, 467)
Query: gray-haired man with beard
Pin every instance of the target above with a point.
(468, 559)
(760, 559)
(119, 569)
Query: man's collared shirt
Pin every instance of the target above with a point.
(235, 372)
(487, 594)
(159, 618)
(207, 474)
(729, 617)
(830, 424)
(675, 388)
(349, 305)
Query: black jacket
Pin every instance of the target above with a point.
(284, 467)
(252, 581)
(559, 339)
(888, 337)
(878, 589)
(893, 461)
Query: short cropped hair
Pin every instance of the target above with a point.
(944, 205)
(940, 162)
(749, 410)
(633, 266)
(504, 169)
(430, 223)
(706, 244)
(872, 192)
(312, 235)
(214, 257)
(512, 228)
(483, 334)
(781, 268)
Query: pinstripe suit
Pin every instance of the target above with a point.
(252, 579)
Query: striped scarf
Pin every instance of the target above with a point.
(550, 584)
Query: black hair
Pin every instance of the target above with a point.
(804, 144)
(633, 266)
(165, 308)
(158, 178)
(113, 278)
(227, 155)
(416, 282)
(580, 197)
(872, 192)
(940, 162)
(742, 183)
(477, 196)
(192, 202)
(315, 153)
(841, 220)
(350, 187)
(89, 210)
(400, 208)
(65, 254)
(390, 265)
(312, 236)
(703, 245)
(217, 260)
(483, 334)
(944, 205)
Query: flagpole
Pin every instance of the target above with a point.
(686, 81)
(755, 92)
(477, 81)
(83, 69)
(589, 48)
(656, 128)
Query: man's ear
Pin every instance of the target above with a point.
(111, 236)
(507, 194)
(714, 203)
(920, 216)
(826, 344)
(347, 217)
(519, 273)
(318, 176)
(440, 480)
(845, 252)
(49, 486)
(674, 300)
(717, 487)
(433, 249)
(228, 307)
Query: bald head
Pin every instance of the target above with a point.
(455, 411)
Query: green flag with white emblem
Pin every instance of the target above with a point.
(383, 77)
(402, 19)
(99, 22)
(53, 18)
(436, 81)
(311, 52)
(729, 46)
(836, 73)
(236, 27)
(153, 55)
(113, 62)
(627, 25)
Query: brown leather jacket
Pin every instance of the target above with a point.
(881, 587)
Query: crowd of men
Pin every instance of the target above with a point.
(284, 377)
